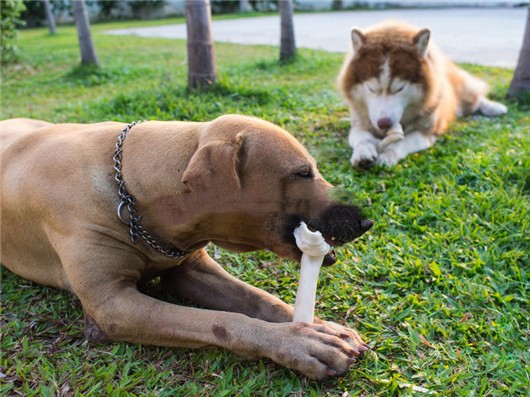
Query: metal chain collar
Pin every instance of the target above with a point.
(128, 200)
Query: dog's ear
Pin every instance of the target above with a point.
(421, 41)
(358, 39)
(215, 165)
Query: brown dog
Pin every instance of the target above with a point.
(239, 182)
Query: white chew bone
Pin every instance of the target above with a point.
(314, 248)
(394, 134)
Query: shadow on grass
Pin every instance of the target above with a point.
(174, 102)
(234, 93)
(91, 75)
(522, 101)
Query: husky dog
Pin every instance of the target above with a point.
(403, 93)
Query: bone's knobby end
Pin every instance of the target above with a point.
(310, 243)
(393, 135)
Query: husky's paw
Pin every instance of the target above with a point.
(364, 155)
(491, 108)
(388, 158)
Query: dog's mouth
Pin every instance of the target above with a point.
(331, 257)
(338, 225)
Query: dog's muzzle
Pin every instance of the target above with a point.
(339, 224)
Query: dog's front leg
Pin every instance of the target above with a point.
(364, 145)
(203, 281)
(413, 142)
(105, 282)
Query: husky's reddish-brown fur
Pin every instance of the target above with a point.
(446, 87)
(439, 91)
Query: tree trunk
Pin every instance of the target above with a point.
(201, 53)
(244, 6)
(88, 52)
(337, 5)
(287, 42)
(520, 85)
(49, 17)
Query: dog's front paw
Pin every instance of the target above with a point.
(353, 338)
(316, 350)
(388, 158)
(364, 155)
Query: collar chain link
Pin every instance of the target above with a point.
(129, 202)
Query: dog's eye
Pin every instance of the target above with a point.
(399, 89)
(371, 89)
(304, 174)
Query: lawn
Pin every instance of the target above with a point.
(439, 287)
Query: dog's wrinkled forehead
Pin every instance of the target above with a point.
(276, 150)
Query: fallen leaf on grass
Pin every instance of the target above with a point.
(404, 385)
(425, 341)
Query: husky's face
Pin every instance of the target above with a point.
(387, 96)
(388, 74)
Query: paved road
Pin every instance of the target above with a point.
(487, 36)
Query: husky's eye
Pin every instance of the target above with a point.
(399, 89)
(371, 89)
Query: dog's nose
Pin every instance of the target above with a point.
(384, 123)
(366, 224)
(344, 223)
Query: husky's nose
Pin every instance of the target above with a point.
(384, 123)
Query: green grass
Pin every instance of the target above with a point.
(439, 286)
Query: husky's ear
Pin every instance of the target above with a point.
(215, 165)
(358, 39)
(421, 41)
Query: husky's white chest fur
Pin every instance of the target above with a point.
(403, 93)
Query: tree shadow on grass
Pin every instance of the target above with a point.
(179, 103)
(91, 75)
